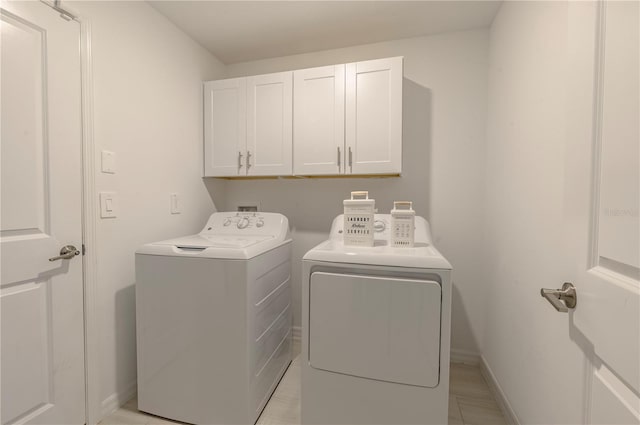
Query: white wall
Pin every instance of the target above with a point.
(148, 110)
(528, 345)
(443, 171)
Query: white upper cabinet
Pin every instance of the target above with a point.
(331, 120)
(269, 124)
(374, 116)
(225, 127)
(248, 126)
(318, 128)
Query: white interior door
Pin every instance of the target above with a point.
(603, 190)
(42, 341)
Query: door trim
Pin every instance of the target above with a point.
(596, 131)
(93, 406)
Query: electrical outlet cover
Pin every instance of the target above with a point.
(176, 208)
(108, 162)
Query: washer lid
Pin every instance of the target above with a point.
(213, 246)
(218, 241)
(232, 235)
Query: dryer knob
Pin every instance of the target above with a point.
(243, 223)
(226, 222)
(260, 223)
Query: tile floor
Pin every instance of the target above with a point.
(470, 401)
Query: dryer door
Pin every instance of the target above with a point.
(376, 327)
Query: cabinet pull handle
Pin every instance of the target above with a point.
(338, 156)
(248, 159)
(350, 157)
(239, 159)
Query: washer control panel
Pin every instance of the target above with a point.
(256, 223)
(244, 220)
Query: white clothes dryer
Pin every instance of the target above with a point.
(376, 330)
(213, 314)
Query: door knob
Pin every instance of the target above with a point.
(561, 299)
(66, 253)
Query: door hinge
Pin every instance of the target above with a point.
(57, 6)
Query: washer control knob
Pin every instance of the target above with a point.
(379, 226)
(227, 221)
(243, 223)
(260, 223)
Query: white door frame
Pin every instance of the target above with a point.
(93, 404)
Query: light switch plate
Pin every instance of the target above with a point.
(108, 162)
(108, 204)
(176, 208)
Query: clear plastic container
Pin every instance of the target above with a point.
(358, 219)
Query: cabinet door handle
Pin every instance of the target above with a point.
(248, 159)
(350, 157)
(338, 156)
(239, 159)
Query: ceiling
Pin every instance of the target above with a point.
(239, 31)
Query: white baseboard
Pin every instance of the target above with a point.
(498, 393)
(464, 356)
(296, 333)
(118, 399)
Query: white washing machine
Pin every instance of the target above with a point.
(213, 317)
(376, 330)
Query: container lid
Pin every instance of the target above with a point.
(360, 194)
(360, 197)
(402, 207)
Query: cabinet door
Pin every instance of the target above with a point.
(318, 120)
(225, 127)
(269, 124)
(374, 116)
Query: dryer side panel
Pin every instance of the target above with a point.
(382, 328)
